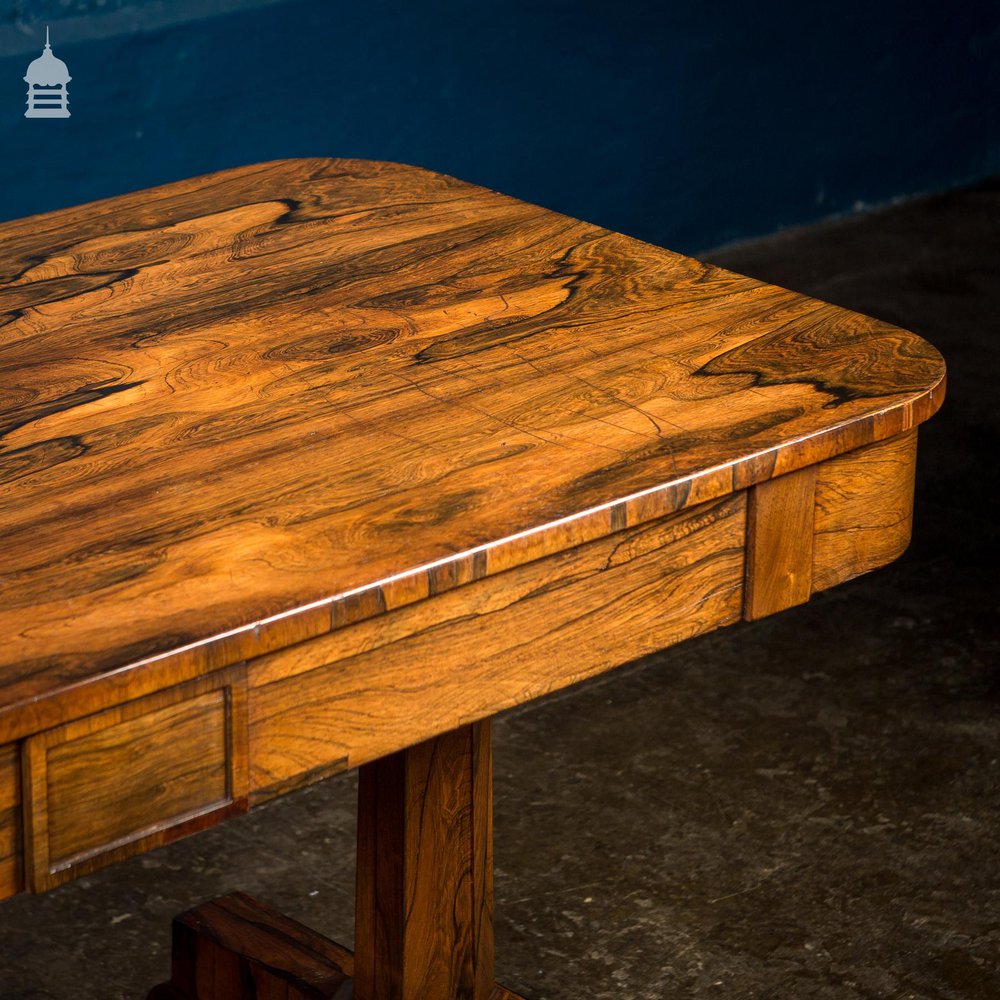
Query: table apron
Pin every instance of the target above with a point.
(204, 750)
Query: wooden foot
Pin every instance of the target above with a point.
(424, 926)
(235, 947)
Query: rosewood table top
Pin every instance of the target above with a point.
(320, 464)
(238, 410)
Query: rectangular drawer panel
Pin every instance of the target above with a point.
(11, 866)
(130, 774)
(133, 777)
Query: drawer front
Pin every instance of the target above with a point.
(134, 777)
(11, 864)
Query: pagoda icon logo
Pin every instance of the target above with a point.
(46, 78)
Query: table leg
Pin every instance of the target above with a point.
(424, 924)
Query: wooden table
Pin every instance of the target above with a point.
(319, 464)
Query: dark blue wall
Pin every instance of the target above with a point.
(686, 124)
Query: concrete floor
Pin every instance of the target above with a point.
(804, 807)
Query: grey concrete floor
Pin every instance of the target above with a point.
(808, 806)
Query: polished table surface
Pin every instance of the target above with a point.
(304, 463)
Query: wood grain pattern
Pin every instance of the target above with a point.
(424, 925)
(780, 543)
(383, 684)
(315, 462)
(864, 510)
(134, 777)
(239, 409)
(11, 856)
